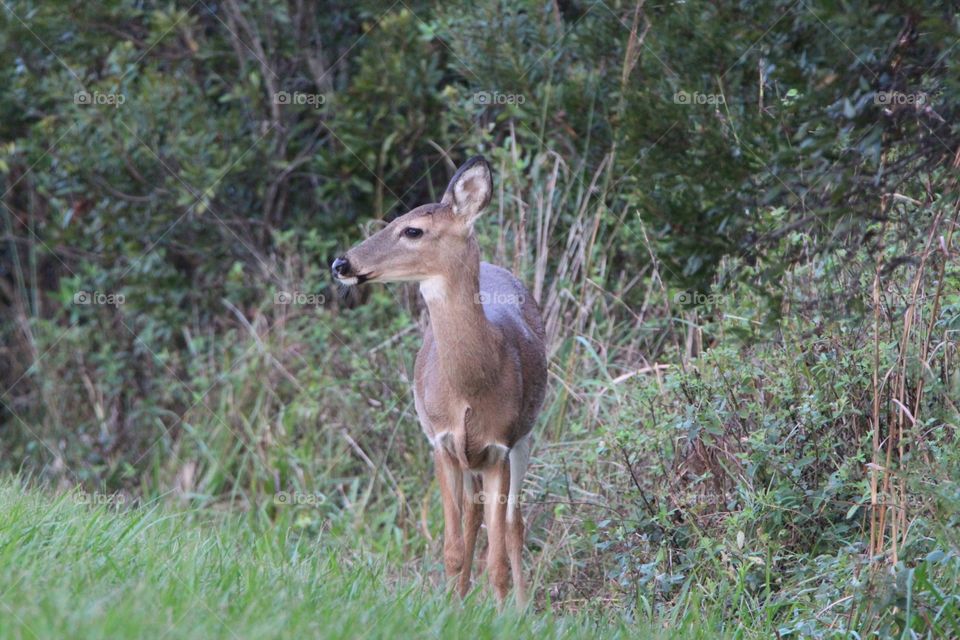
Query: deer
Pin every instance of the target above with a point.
(480, 375)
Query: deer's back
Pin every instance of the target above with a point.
(511, 308)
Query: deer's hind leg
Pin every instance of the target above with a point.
(519, 460)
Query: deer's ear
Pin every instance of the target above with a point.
(470, 189)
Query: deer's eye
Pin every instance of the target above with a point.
(412, 232)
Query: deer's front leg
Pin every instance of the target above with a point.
(496, 483)
(472, 517)
(450, 478)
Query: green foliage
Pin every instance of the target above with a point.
(700, 194)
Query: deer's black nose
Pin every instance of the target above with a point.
(341, 267)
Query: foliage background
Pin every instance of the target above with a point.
(738, 220)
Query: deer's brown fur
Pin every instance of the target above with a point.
(480, 376)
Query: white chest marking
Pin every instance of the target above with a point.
(433, 289)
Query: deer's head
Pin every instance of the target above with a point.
(426, 242)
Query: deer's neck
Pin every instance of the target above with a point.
(468, 345)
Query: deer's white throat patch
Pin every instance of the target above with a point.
(433, 289)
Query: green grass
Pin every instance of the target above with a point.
(69, 569)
